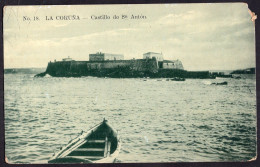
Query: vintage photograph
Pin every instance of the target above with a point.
(136, 83)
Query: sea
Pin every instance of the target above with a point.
(157, 120)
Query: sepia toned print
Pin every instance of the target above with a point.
(129, 83)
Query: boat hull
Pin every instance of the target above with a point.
(100, 144)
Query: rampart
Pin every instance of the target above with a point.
(101, 68)
(118, 69)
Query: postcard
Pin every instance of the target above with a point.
(136, 83)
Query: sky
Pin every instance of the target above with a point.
(202, 36)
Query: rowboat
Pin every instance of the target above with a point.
(100, 144)
(177, 79)
(220, 83)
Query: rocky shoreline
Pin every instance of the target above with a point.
(129, 73)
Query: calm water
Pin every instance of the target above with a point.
(158, 121)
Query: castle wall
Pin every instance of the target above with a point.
(118, 69)
(169, 66)
(175, 64)
(62, 68)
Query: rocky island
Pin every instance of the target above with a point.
(100, 64)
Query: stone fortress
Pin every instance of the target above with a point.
(113, 65)
(105, 60)
(161, 63)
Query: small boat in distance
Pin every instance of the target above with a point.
(177, 79)
(101, 144)
(220, 83)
